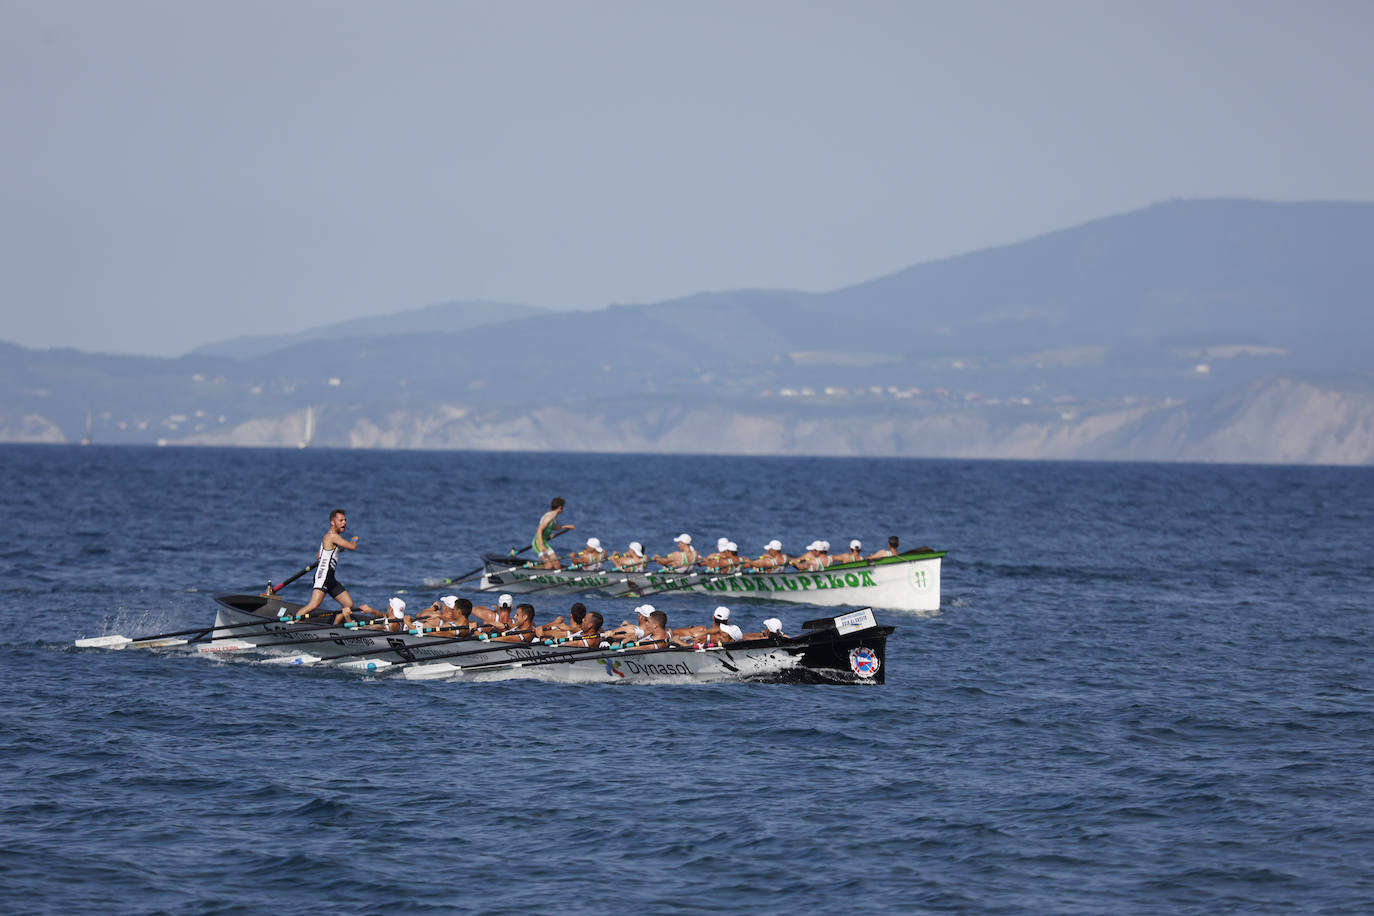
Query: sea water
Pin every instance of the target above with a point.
(1150, 688)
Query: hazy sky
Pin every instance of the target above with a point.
(173, 173)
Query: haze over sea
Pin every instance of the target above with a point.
(1148, 689)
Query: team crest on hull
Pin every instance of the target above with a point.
(864, 661)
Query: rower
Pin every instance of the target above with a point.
(560, 628)
(720, 631)
(852, 555)
(589, 558)
(772, 559)
(631, 630)
(522, 629)
(456, 617)
(726, 559)
(805, 561)
(632, 560)
(590, 634)
(890, 551)
(498, 619)
(656, 632)
(392, 621)
(682, 559)
(772, 629)
(548, 525)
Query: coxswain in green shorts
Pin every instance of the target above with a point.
(548, 525)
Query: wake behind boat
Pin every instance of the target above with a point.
(907, 582)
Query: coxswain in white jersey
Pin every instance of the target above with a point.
(326, 562)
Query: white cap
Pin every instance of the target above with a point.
(774, 544)
(855, 544)
(773, 625)
(636, 547)
(814, 545)
(722, 613)
(505, 601)
(594, 543)
(450, 601)
(823, 545)
(398, 607)
(684, 539)
(644, 610)
(721, 543)
(731, 545)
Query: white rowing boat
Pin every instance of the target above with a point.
(906, 582)
(848, 649)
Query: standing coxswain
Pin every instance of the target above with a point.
(326, 562)
(548, 525)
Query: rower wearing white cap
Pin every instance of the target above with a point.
(632, 630)
(632, 560)
(807, 560)
(772, 559)
(498, 619)
(721, 625)
(591, 557)
(853, 554)
(772, 629)
(726, 560)
(682, 559)
(392, 620)
(720, 631)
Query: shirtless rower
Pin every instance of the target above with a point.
(890, 551)
(548, 525)
(682, 559)
(656, 632)
(560, 628)
(772, 560)
(632, 560)
(590, 633)
(631, 630)
(455, 619)
(498, 619)
(326, 560)
(522, 628)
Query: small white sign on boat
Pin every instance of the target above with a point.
(858, 620)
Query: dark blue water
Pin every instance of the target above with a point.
(1150, 689)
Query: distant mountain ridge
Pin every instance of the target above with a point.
(1150, 314)
(444, 318)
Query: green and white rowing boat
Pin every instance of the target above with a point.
(907, 582)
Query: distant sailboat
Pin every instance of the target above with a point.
(309, 427)
(86, 439)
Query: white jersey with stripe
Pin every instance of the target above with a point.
(325, 563)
